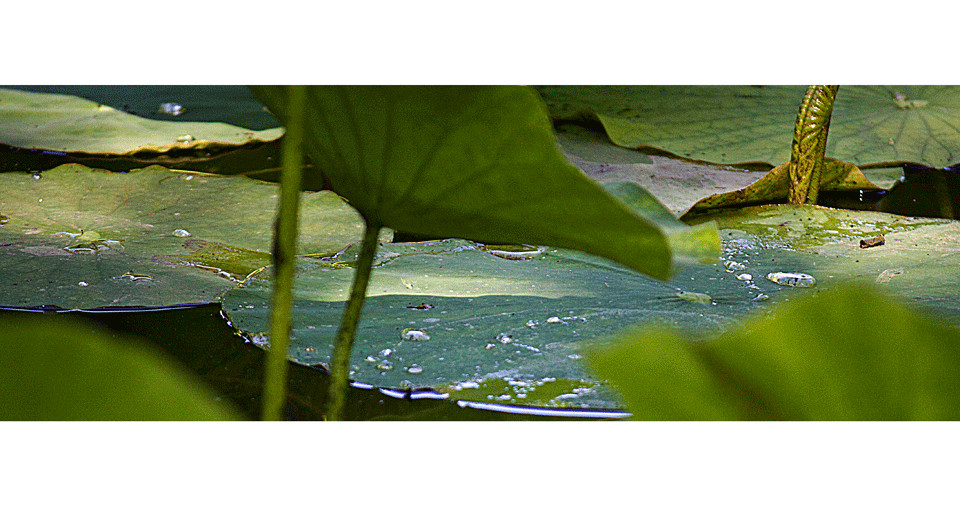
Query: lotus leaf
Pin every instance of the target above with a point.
(748, 124)
(80, 237)
(476, 162)
(69, 124)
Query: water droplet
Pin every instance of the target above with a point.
(386, 352)
(744, 277)
(406, 384)
(414, 369)
(171, 108)
(466, 384)
(490, 346)
(574, 356)
(760, 297)
(414, 335)
(792, 279)
(37, 175)
(532, 324)
(186, 138)
(371, 359)
(83, 283)
(514, 252)
(503, 338)
(734, 266)
(385, 365)
(554, 319)
(135, 277)
(181, 233)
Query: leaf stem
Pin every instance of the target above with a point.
(284, 259)
(340, 364)
(810, 143)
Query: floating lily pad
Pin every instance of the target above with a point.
(69, 124)
(71, 371)
(746, 124)
(844, 354)
(78, 237)
(459, 318)
(231, 104)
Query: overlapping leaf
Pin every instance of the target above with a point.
(70, 124)
(473, 162)
(743, 124)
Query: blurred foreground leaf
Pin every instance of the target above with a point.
(862, 357)
(68, 371)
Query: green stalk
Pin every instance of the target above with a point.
(284, 259)
(340, 366)
(810, 143)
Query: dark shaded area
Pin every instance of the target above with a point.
(201, 340)
(260, 160)
(234, 105)
(925, 191)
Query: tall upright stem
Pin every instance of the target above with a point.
(810, 143)
(340, 364)
(284, 259)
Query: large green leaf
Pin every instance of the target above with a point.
(862, 357)
(69, 124)
(72, 371)
(80, 237)
(744, 124)
(474, 162)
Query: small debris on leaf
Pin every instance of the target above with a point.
(869, 243)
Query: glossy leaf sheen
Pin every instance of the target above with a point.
(71, 371)
(70, 237)
(863, 357)
(473, 162)
(490, 320)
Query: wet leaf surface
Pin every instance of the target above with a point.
(514, 332)
(455, 317)
(79, 237)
